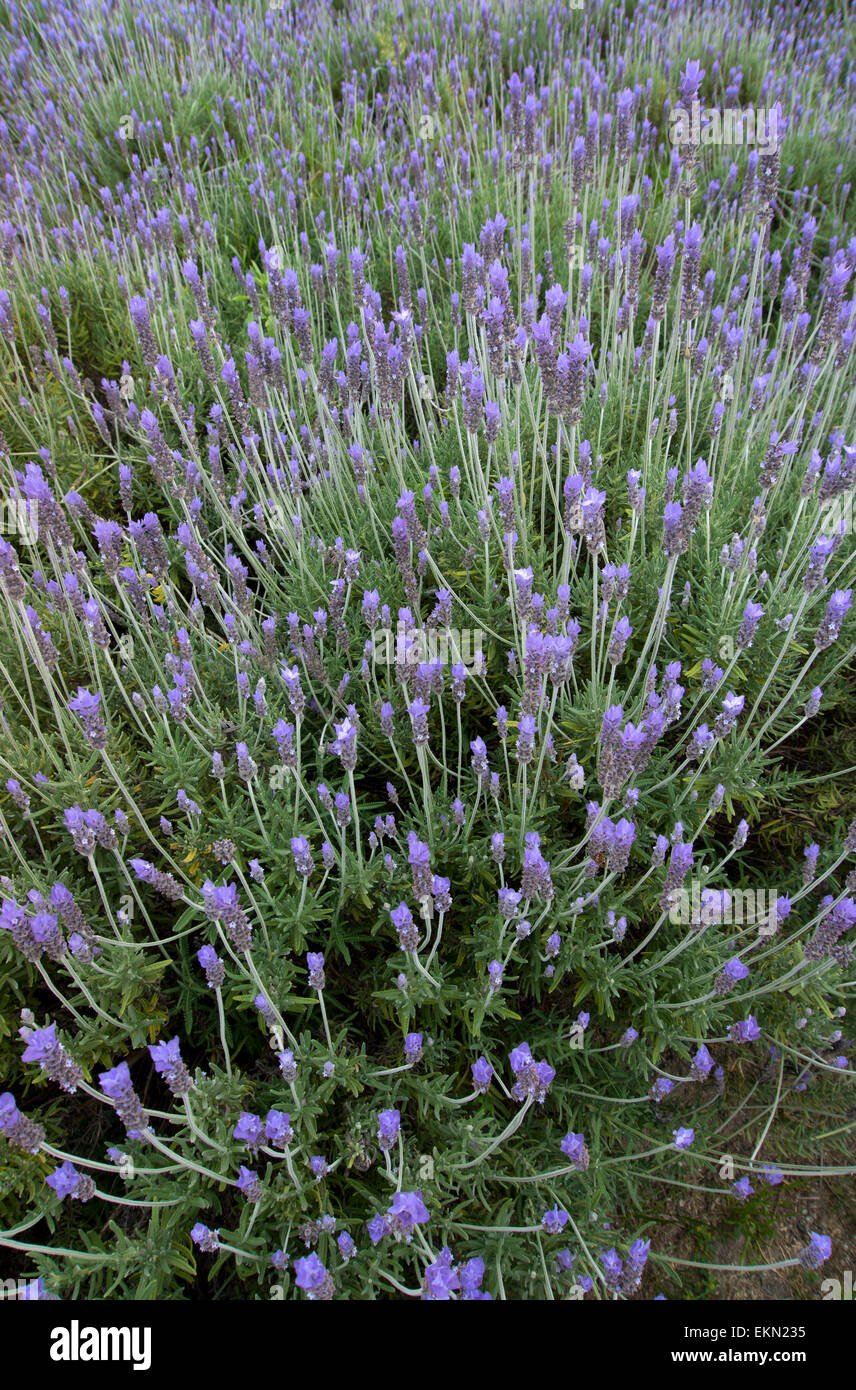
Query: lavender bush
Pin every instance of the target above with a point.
(428, 459)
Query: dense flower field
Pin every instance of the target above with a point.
(428, 456)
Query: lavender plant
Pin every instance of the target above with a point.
(431, 468)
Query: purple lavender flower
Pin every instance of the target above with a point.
(347, 1246)
(168, 1064)
(315, 966)
(691, 79)
(732, 972)
(43, 1046)
(441, 1279)
(745, 1031)
(573, 1146)
(402, 920)
(207, 1240)
(554, 1221)
(817, 1252)
(215, 971)
(752, 615)
(836, 611)
(407, 1210)
(249, 1130)
(509, 901)
(311, 1276)
(67, 1182)
(534, 1082)
(419, 712)
(479, 759)
(248, 1183)
(302, 855)
(526, 729)
(21, 1131)
(482, 1073)
(419, 859)
(702, 1064)
(471, 1275)
(389, 1127)
(87, 707)
(440, 892)
(634, 1266)
(278, 1129)
(287, 1065)
(117, 1084)
(613, 1266)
